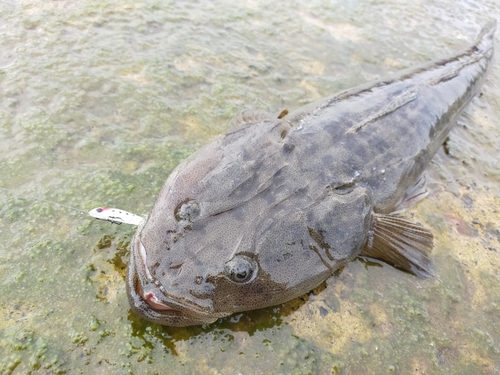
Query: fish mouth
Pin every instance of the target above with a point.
(150, 297)
(153, 302)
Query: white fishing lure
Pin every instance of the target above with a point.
(115, 216)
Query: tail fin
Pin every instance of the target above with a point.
(487, 32)
(486, 39)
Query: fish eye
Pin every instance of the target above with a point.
(187, 210)
(240, 269)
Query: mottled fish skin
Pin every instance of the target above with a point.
(271, 209)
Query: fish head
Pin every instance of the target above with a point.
(167, 268)
(227, 234)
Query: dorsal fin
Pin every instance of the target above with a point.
(396, 102)
(401, 243)
(283, 113)
(246, 118)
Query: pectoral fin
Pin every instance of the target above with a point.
(400, 243)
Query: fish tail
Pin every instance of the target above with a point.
(487, 34)
(485, 41)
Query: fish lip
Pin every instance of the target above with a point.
(151, 299)
(151, 305)
(170, 308)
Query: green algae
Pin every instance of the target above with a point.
(101, 100)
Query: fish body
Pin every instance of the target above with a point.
(271, 209)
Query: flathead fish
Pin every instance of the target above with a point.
(271, 209)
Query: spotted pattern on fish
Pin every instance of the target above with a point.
(271, 209)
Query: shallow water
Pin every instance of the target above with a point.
(102, 99)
